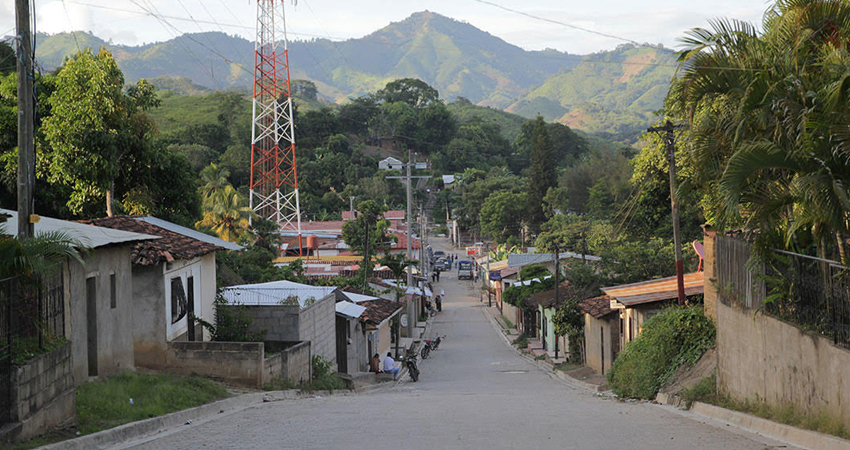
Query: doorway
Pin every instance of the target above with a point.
(91, 324)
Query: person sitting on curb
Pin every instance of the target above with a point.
(389, 365)
(375, 364)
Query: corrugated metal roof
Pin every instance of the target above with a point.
(274, 293)
(357, 298)
(195, 234)
(349, 309)
(89, 235)
(655, 290)
(524, 259)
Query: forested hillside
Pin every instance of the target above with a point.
(612, 93)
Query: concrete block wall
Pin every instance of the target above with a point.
(43, 393)
(293, 364)
(280, 322)
(317, 324)
(235, 362)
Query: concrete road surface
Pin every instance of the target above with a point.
(474, 392)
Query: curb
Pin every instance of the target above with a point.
(149, 428)
(807, 439)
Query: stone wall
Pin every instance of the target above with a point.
(293, 364)
(43, 393)
(234, 362)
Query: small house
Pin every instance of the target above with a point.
(601, 333)
(174, 283)
(389, 163)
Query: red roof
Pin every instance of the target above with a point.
(172, 246)
(597, 307)
(379, 310)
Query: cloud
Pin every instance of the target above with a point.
(54, 17)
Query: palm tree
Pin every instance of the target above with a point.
(36, 256)
(213, 181)
(226, 214)
(768, 114)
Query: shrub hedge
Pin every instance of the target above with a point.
(677, 336)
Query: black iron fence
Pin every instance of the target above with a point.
(32, 317)
(811, 293)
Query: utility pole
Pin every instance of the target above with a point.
(408, 177)
(670, 141)
(26, 119)
(557, 298)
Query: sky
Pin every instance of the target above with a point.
(135, 22)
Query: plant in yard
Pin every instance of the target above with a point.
(569, 321)
(232, 324)
(675, 337)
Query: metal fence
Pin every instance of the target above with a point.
(811, 293)
(32, 315)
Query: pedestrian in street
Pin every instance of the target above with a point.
(375, 364)
(389, 365)
(439, 302)
(438, 275)
(434, 276)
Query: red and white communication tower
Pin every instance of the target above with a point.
(274, 175)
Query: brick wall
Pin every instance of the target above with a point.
(234, 362)
(293, 364)
(43, 393)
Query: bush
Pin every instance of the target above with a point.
(677, 336)
(323, 378)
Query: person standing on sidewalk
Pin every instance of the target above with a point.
(439, 303)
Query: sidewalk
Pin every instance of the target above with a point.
(699, 411)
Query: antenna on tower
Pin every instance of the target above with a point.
(274, 174)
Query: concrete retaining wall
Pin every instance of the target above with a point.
(43, 393)
(762, 357)
(234, 362)
(280, 322)
(293, 364)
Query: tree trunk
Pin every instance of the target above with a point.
(110, 198)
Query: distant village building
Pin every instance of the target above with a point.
(390, 163)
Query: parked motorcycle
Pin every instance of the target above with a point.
(410, 363)
(430, 344)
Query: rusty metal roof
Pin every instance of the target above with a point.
(655, 290)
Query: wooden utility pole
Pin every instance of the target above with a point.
(26, 113)
(557, 297)
(670, 141)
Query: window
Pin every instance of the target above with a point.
(113, 295)
(178, 300)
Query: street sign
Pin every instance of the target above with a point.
(496, 275)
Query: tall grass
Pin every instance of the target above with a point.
(106, 404)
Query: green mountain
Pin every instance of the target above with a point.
(612, 93)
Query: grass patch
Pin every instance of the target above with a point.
(677, 336)
(521, 341)
(45, 439)
(705, 391)
(508, 323)
(540, 357)
(106, 404)
(567, 366)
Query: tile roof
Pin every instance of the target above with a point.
(377, 311)
(546, 299)
(88, 235)
(172, 246)
(597, 307)
(190, 232)
(655, 290)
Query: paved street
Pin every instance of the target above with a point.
(474, 392)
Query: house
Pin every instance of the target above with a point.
(520, 260)
(351, 350)
(638, 302)
(96, 298)
(542, 305)
(174, 282)
(378, 315)
(290, 312)
(389, 163)
(601, 333)
(90, 304)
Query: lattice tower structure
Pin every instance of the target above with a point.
(274, 173)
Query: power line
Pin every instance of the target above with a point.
(74, 34)
(557, 22)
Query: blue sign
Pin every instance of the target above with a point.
(496, 275)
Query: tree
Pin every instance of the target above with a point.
(414, 92)
(226, 214)
(96, 128)
(37, 256)
(768, 138)
(354, 232)
(542, 173)
(502, 215)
